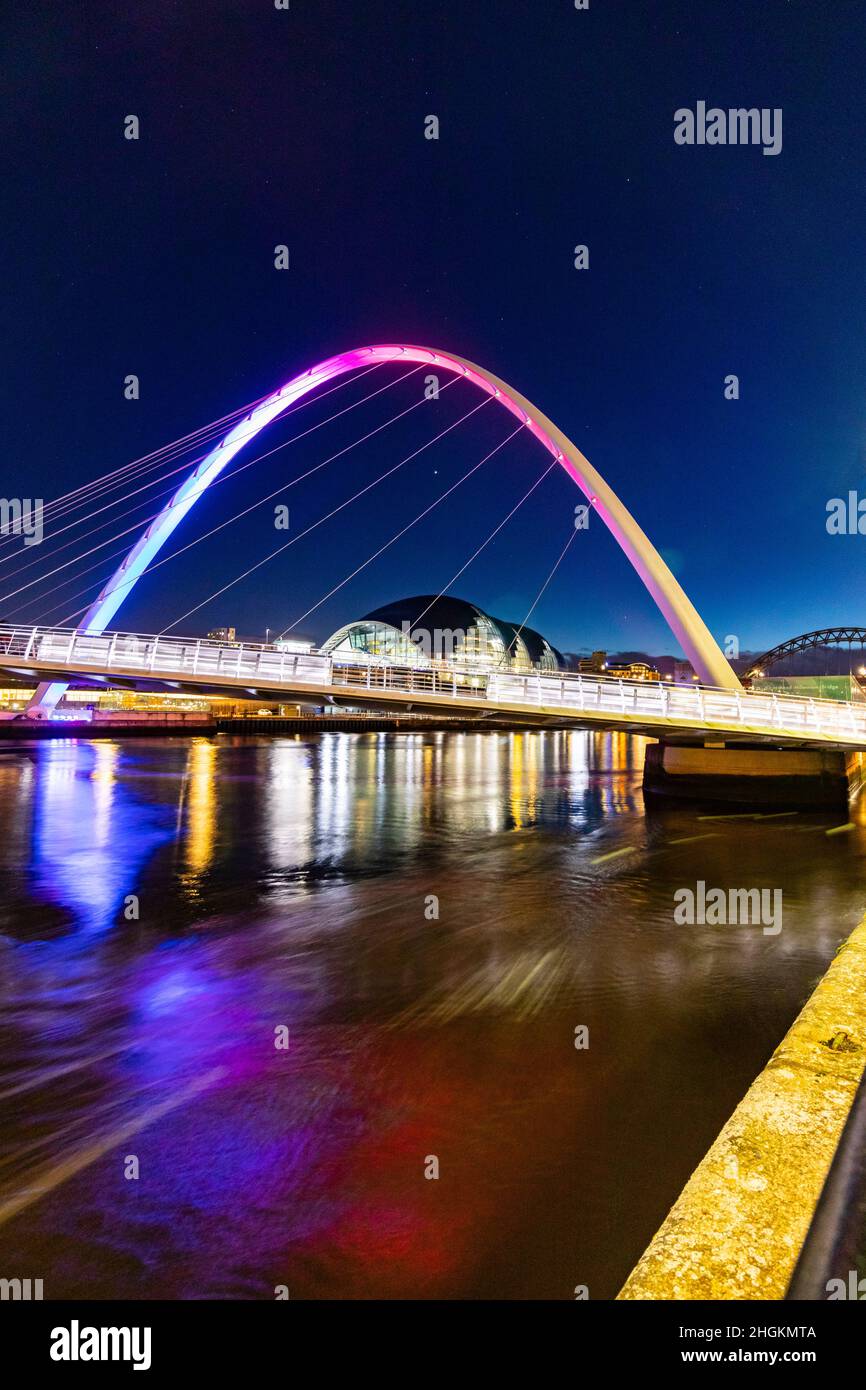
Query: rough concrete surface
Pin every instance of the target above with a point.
(736, 1230)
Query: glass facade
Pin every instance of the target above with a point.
(426, 631)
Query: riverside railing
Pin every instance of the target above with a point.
(833, 1257)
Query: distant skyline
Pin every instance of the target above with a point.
(556, 129)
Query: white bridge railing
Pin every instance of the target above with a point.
(250, 665)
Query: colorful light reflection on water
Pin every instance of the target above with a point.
(284, 884)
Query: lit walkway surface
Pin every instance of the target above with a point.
(247, 669)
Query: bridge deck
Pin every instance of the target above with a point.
(654, 708)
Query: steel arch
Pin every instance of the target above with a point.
(682, 617)
(822, 637)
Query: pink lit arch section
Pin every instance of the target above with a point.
(683, 618)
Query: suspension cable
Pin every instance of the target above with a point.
(99, 487)
(283, 488)
(486, 542)
(184, 443)
(441, 498)
(396, 537)
(183, 467)
(540, 593)
(194, 494)
(360, 493)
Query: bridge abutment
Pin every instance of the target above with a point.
(739, 774)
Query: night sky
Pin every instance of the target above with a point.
(261, 127)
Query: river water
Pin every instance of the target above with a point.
(254, 991)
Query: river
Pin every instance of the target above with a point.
(255, 992)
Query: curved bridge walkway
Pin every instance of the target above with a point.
(653, 708)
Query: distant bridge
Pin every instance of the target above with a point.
(242, 670)
(808, 641)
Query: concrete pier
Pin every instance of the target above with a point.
(748, 775)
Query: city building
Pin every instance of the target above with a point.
(678, 670)
(598, 665)
(592, 665)
(293, 643)
(426, 630)
(631, 671)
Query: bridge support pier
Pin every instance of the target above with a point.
(746, 775)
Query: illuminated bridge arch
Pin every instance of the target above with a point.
(823, 637)
(682, 617)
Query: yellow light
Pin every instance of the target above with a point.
(200, 773)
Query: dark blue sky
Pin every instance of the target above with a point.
(261, 127)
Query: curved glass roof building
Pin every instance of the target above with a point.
(426, 630)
